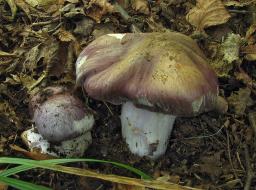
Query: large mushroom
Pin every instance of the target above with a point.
(156, 76)
(62, 121)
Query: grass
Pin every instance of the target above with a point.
(53, 164)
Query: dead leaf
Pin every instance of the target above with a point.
(32, 57)
(51, 60)
(65, 36)
(25, 80)
(24, 6)
(243, 76)
(35, 3)
(207, 13)
(3, 140)
(123, 3)
(98, 8)
(209, 164)
(140, 6)
(84, 27)
(13, 8)
(238, 101)
(117, 186)
(250, 52)
(6, 54)
(35, 155)
(8, 114)
(249, 49)
(3, 186)
(73, 1)
(169, 178)
(70, 11)
(238, 3)
(249, 34)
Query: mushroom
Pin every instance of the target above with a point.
(61, 120)
(156, 76)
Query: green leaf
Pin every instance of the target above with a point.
(19, 184)
(30, 164)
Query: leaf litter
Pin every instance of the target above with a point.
(40, 41)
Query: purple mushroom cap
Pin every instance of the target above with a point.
(59, 115)
(162, 72)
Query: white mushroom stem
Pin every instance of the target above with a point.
(70, 148)
(146, 133)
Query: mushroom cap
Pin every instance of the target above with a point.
(163, 72)
(60, 116)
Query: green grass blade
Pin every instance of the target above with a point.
(22, 185)
(15, 170)
(23, 162)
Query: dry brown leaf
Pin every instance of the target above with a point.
(117, 186)
(238, 3)
(250, 52)
(3, 140)
(13, 8)
(249, 34)
(65, 36)
(3, 186)
(35, 3)
(99, 8)
(6, 54)
(36, 155)
(24, 7)
(207, 13)
(8, 114)
(238, 101)
(25, 80)
(141, 6)
(169, 178)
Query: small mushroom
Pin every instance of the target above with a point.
(156, 76)
(61, 120)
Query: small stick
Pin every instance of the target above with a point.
(110, 111)
(229, 157)
(201, 136)
(252, 121)
(250, 173)
(239, 161)
(45, 22)
(126, 17)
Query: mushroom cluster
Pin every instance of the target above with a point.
(62, 121)
(155, 76)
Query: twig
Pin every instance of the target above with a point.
(110, 111)
(229, 158)
(239, 161)
(250, 173)
(46, 22)
(240, 11)
(201, 137)
(123, 13)
(252, 121)
(126, 17)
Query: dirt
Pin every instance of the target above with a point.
(210, 151)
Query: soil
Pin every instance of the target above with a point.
(210, 151)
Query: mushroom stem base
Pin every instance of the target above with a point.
(71, 148)
(146, 133)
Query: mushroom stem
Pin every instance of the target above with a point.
(146, 133)
(70, 148)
